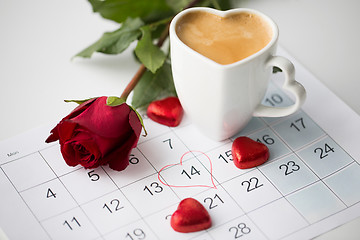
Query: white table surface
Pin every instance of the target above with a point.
(39, 37)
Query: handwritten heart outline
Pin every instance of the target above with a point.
(180, 163)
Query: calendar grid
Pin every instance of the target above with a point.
(321, 180)
(128, 200)
(245, 214)
(300, 185)
(23, 200)
(157, 172)
(78, 205)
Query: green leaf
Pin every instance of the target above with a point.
(158, 27)
(149, 54)
(216, 4)
(225, 4)
(114, 101)
(77, 101)
(219, 4)
(119, 10)
(178, 5)
(153, 86)
(117, 41)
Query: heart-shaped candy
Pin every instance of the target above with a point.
(167, 111)
(190, 216)
(248, 153)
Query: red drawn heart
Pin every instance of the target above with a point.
(212, 185)
(167, 111)
(248, 153)
(190, 216)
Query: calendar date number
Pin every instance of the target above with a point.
(72, 223)
(136, 234)
(193, 172)
(113, 206)
(251, 184)
(153, 188)
(239, 230)
(226, 157)
(213, 202)
(324, 151)
(289, 167)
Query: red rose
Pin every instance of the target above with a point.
(96, 134)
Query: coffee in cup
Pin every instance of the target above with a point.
(225, 40)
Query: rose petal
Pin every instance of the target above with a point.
(79, 109)
(135, 124)
(66, 130)
(86, 150)
(103, 120)
(119, 158)
(68, 154)
(54, 135)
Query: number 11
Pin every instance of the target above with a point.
(72, 220)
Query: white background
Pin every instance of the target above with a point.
(39, 37)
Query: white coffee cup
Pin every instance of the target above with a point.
(221, 99)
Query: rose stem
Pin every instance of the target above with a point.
(142, 68)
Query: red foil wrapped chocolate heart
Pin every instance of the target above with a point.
(190, 216)
(167, 111)
(248, 153)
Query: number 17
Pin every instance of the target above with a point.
(297, 124)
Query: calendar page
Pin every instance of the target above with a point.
(310, 184)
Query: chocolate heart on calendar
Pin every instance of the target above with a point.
(190, 216)
(191, 173)
(167, 111)
(248, 153)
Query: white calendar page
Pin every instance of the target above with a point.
(310, 184)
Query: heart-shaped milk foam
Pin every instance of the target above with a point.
(190, 216)
(167, 111)
(227, 39)
(248, 153)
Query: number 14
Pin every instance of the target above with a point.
(193, 172)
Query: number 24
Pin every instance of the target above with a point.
(324, 152)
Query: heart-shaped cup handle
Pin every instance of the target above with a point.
(289, 84)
